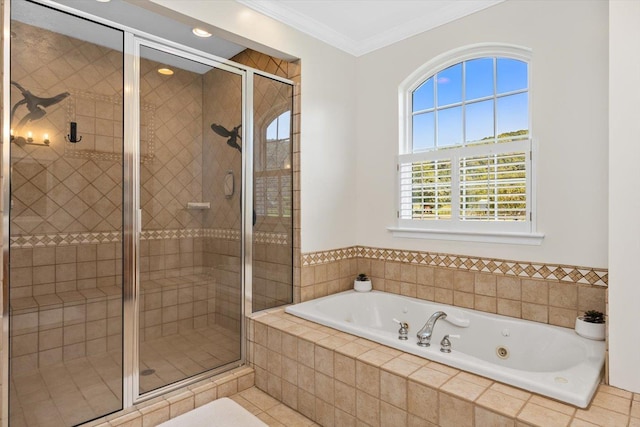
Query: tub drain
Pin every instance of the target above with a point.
(147, 372)
(502, 352)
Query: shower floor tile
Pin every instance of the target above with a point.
(78, 390)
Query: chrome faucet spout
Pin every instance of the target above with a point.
(424, 334)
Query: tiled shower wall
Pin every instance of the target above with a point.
(66, 202)
(545, 293)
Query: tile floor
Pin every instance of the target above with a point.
(191, 352)
(81, 389)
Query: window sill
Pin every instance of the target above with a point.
(533, 239)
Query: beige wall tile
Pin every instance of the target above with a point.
(345, 369)
(393, 389)
(460, 387)
(454, 412)
(463, 299)
(392, 416)
(443, 278)
(425, 275)
(501, 403)
(463, 281)
(510, 308)
(367, 408)
(535, 291)
(485, 303)
(392, 271)
(508, 287)
(345, 397)
(484, 417)
(430, 377)
(408, 273)
(563, 295)
(422, 401)
(535, 312)
(342, 418)
(591, 298)
(368, 378)
(538, 415)
(485, 284)
(324, 388)
(565, 317)
(443, 296)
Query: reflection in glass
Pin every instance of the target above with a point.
(479, 120)
(512, 75)
(273, 194)
(478, 78)
(449, 85)
(423, 96)
(65, 277)
(423, 131)
(513, 113)
(449, 127)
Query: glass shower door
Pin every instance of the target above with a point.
(190, 311)
(65, 218)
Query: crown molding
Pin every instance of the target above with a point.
(301, 22)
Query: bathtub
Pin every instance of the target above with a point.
(544, 359)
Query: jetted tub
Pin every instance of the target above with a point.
(544, 359)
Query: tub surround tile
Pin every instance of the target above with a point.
(602, 416)
(500, 403)
(541, 416)
(454, 412)
(462, 388)
(377, 386)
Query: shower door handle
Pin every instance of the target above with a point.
(139, 221)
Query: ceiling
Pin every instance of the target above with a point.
(362, 26)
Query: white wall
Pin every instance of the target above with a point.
(569, 114)
(327, 129)
(624, 193)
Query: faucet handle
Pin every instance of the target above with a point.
(445, 344)
(403, 331)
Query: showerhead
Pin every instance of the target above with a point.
(35, 104)
(233, 135)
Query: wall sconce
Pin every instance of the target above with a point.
(28, 140)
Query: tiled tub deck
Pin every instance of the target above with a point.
(337, 379)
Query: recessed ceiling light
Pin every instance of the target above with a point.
(103, 1)
(201, 33)
(165, 71)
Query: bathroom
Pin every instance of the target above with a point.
(337, 174)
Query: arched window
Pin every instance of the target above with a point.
(465, 158)
(272, 185)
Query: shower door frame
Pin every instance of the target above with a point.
(133, 220)
(133, 39)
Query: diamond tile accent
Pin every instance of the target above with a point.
(62, 239)
(563, 273)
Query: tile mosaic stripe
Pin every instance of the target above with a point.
(563, 273)
(62, 239)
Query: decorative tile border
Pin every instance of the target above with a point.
(63, 239)
(148, 138)
(563, 273)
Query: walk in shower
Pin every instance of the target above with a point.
(150, 208)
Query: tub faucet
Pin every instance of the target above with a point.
(424, 334)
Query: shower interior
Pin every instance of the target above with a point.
(67, 229)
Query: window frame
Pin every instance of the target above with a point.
(518, 232)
